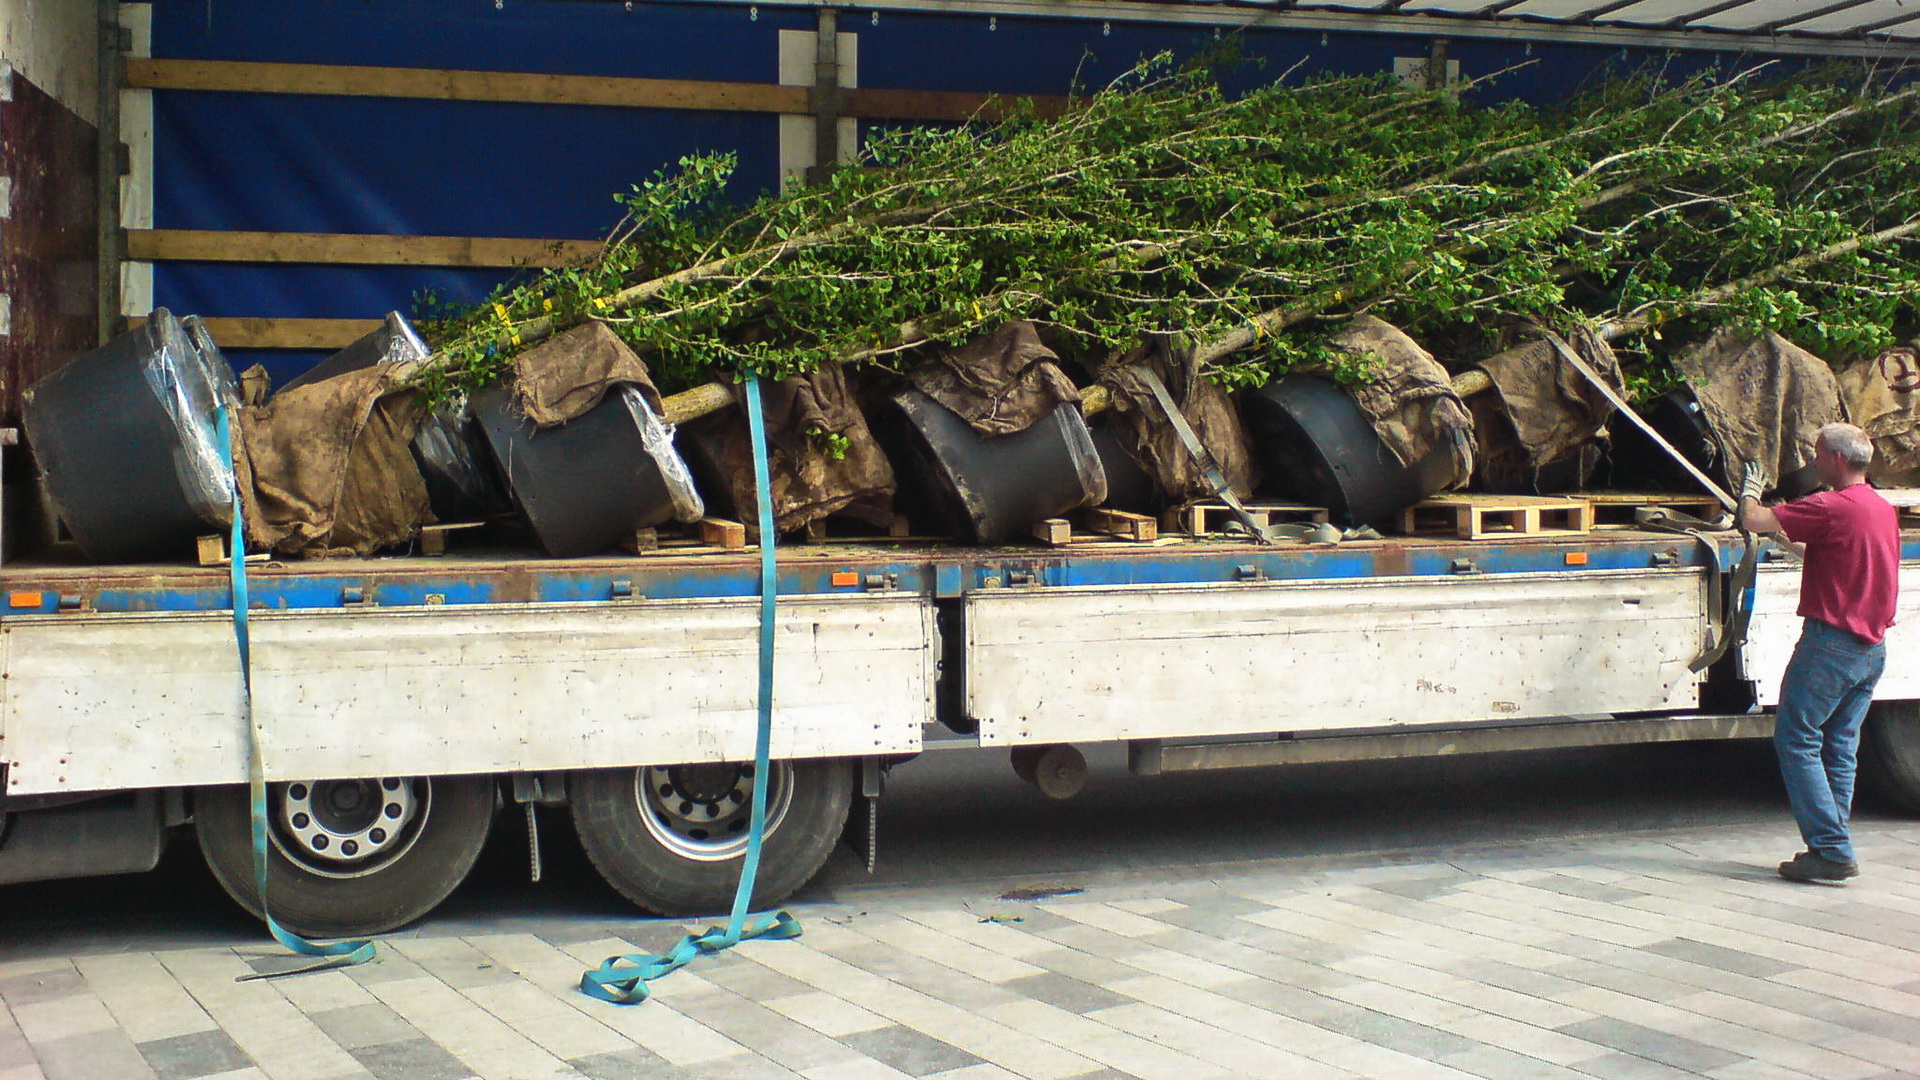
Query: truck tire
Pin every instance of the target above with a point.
(348, 857)
(671, 838)
(1890, 753)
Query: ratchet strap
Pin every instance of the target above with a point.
(337, 954)
(1201, 455)
(623, 979)
(1736, 606)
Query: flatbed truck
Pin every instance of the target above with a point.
(404, 702)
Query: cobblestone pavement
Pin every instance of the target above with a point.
(1660, 955)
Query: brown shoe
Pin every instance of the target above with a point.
(1810, 866)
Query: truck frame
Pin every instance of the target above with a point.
(403, 701)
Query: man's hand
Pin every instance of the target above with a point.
(1753, 516)
(1753, 481)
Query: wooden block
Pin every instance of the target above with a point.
(1053, 531)
(1137, 527)
(641, 540)
(211, 550)
(729, 535)
(433, 538)
(899, 526)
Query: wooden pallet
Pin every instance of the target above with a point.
(1207, 518)
(1620, 509)
(1476, 517)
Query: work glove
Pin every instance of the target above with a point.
(1753, 481)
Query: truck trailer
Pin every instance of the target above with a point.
(289, 170)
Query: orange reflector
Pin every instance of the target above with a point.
(23, 599)
(846, 577)
(1576, 558)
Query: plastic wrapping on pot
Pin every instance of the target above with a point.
(126, 437)
(393, 341)
(590, 483)
(220, 376)
(451, 450)
(990, 489)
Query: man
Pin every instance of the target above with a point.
(1847, 592)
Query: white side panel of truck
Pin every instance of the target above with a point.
(1120, 662)
(132, 701)
(1775, 630)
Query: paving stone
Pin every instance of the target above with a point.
(1066, 992)
(413, 1059)
(187, 1057)
(100, 1055)
(927, 977)
(1086, 967)
(1640, 984)
(1499, 1063)
(1631, 1067)
(359, 1026)
(1657, 1046)
(754, 981)
(630, 1064)
(1699, 952)
(42, 986)
(59, 1018)
(912, 1052)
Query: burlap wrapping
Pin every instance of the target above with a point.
(1764, 397)
(1153, 443)
(326, 468)
(808, 483)
(999, 383)
(570, 373)
(1882, 396)
(1410, 400)
(256, 386)
(1542, 411)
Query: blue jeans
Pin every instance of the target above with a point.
(1823, 701)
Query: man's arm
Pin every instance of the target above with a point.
(1760, 519)
(1757, 518)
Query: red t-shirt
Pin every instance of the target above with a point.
(1852, 576)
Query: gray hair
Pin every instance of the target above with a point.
(1849, 442)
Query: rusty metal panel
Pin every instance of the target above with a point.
(49, 252)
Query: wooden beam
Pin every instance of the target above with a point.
(440, 85)
(272, 333)
(352, 249)
(345, 81)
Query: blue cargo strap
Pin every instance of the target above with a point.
(623, 979)
(340, 953)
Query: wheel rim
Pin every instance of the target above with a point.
(702, 812)
(349, 828)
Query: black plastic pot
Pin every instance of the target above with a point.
(1318, 448)
(1129, 487)
(125, 436)
(462, 484)
(1639, 463)
(988, 490)
(588, 484)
